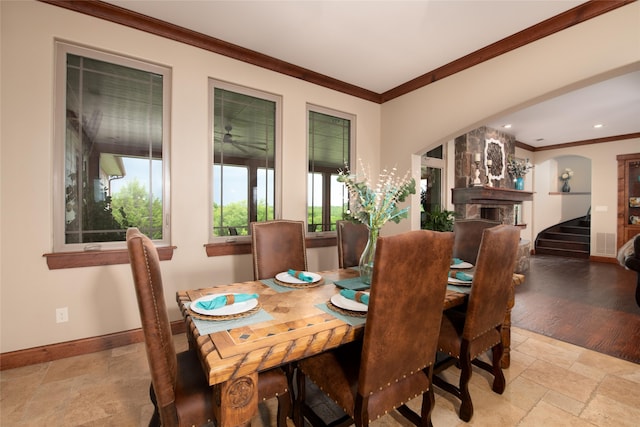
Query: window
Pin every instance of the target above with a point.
(112, 168)
(432, 182)
(245, 138)
(329, 150)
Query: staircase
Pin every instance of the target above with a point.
(569, 239)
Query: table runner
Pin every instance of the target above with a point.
(354, 283)
(279, 288)
(353, 321)
(461, 289)
(206, 327)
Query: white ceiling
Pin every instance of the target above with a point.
(378, 45)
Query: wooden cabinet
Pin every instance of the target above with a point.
(628, 197)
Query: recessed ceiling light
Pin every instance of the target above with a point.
(539, 139)
(598, 125)
(507, 126)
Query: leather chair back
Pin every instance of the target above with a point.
(405, 308)
(631, 260)
(492, 280)
(158, 339)
(468, 234)
(277, 246)
(352, 239)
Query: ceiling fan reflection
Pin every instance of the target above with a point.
(244, 146)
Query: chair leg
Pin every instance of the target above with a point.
(155, 418)
(284, 408)
(428, 402)
(299, 400)
(361, 414)
(466, 406)
(498, 376)
(290, 371)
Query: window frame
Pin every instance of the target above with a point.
(61, 49)
(437, 163)
(326, 195)
(277, 158)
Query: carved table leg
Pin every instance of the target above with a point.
(506, 325)
(235, 401)
(506, 331)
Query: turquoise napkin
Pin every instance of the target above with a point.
(222, 300)
(461, 276)
(355, 295)
(300, 275)
(456, 261)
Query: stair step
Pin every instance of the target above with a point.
(575, 229)
(556, 235)
(569, 239)
(563, 244)
(562, 252)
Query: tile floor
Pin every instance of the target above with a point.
(549, 383)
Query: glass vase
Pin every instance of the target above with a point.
(519, 183)
(565, 187)
(368, 255)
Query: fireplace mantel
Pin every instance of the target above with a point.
(485, 195)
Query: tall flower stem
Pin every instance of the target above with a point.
(374, 206)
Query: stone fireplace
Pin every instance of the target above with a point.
(492, 196)
(497, 204)
(483, 187)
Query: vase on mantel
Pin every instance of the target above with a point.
(368, 255)
(565, 187)
(519, 183)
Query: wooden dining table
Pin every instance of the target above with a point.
(291, 324)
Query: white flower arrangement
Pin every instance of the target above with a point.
(566, 175)
(375, 205)
(518, 169)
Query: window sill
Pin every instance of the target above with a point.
(241, 248)
(60, 260)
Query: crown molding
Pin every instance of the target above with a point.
(586, 142)
(141, 22)
(557, 23)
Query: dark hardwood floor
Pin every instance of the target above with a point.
(590, 304)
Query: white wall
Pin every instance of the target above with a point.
(101, 300)
(464, 101)
(552, 205)
(549, 209)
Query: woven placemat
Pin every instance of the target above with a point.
(247, 313)
(345, 312)
(299, 285)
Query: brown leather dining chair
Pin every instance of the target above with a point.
(468, 334)
(180, 394)
(277, 246)
(393, 363)
(468, 234)
(352, 239)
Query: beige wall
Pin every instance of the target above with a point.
(595, 49)
(549, 209)
(101, 299)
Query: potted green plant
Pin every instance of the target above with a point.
(439, 220)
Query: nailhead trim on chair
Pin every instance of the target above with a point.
(277, 395)
(155, 306)
(484, 332)
(385, 412)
